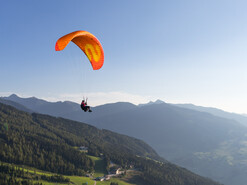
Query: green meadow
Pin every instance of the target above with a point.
(77, 180)
(100, 166)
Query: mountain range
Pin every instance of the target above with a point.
(51, 144)
(241, 118)
(207, 141)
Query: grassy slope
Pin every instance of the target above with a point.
(100, 168)
(79, 180)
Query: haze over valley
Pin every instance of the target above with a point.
(209, 143)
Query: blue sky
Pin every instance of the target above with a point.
(191, 51)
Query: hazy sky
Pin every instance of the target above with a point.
(179, 51)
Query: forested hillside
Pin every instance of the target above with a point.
(51, 144)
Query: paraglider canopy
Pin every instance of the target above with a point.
(88, 43)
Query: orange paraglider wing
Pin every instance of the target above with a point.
(88, 43)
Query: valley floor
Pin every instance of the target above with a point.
(75, 180)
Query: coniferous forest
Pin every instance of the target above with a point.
(51, 144)
(10, 174)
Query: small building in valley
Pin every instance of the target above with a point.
(83, 149)
(115, 171)
(100, 178)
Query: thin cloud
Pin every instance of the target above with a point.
(100, 98)
(97, 98)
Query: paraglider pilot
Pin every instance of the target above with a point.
(85, 107)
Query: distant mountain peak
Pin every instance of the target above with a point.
(158, 101)
(13, 96)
